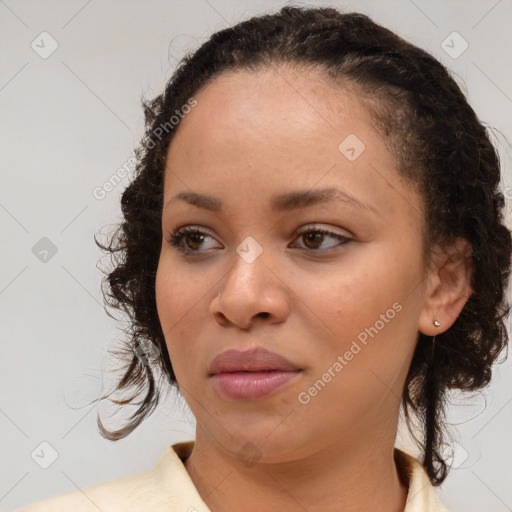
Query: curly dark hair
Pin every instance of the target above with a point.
(440, 147)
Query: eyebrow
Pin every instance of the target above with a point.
(282, 202)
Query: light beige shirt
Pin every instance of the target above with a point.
(169, 488)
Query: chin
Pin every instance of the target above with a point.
(262, 445)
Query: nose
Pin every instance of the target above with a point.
(251, 292)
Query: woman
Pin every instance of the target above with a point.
(314, 238)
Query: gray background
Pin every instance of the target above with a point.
(68, 123)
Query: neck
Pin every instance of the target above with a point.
(338, 477)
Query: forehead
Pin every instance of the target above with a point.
(283, 129)
(307, 102)
(277, 112)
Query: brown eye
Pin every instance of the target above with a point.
(313, 239)
(316, 239)
(193, 240)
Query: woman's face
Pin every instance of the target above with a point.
(310, 248)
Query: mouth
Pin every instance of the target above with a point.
(252, 385)
(251, 374)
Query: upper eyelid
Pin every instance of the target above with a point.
(319, 227)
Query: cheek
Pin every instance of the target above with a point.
(166, 291)
(181, 301)
(178, 293)
(353, 297)
(369, 312)
(174, 303)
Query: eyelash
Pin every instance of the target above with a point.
(179, 234)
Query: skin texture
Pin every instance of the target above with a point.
(251, 136)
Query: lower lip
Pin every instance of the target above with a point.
(251, 385)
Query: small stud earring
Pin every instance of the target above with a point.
(436, 323)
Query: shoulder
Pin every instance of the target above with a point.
(160, 489)
(108, 496)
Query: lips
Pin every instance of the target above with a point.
(251, 374)
(252, 360)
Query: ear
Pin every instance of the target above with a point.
(448, 287)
